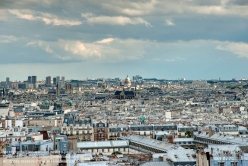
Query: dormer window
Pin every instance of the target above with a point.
(221, 164)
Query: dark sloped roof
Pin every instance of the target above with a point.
(118, 93)
(244, 149)
(127, 93)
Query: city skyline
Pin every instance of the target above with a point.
(190, 39)
(50, 79)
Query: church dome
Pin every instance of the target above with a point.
(69, 102)
(127, 81)
(46, 102)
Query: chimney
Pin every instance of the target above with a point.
(211, 132)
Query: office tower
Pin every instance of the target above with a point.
(137, 77)
(54, 81)
(7, 81)
(34, 81)
(58, 80)
(48, 80)
(63, 81)
(29, 79)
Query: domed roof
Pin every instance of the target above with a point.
(127, 81)
(46, 102)
(69, 102)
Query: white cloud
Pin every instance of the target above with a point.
(41, 44)
(87, 15)
(84, 50)
(105, 41)
(3, 14)
(175, 7)
(240, 49)
(49, 50)
(7, 39)
(116, 50)
(45, 17)
(169, 22)
(59, 22)
(22, 15)
(213, 10)
(114, 20)
(168, 60)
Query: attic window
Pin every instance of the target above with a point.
(234, 163)
(221, 164)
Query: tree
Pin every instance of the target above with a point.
(188, 134)
(116, 152)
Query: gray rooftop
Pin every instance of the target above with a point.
(156, 144)
(103, 144)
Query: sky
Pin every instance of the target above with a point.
(166, 39)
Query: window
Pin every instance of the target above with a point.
(221, 164)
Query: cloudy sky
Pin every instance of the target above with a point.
(192, 39)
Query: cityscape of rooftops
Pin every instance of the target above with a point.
(124, 83)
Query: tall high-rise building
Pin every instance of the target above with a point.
(137, 77)
(58, 80)
(29, 79)
(54, 81)
(34, 81)
(7, 81)
(63, 81)
(48, 80)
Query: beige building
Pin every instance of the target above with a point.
(201, 158)
(81, 132)
(52, 160)
(44, 122)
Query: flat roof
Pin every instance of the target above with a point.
(156, 144)
(103, 144)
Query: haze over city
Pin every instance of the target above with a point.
(193, 39)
